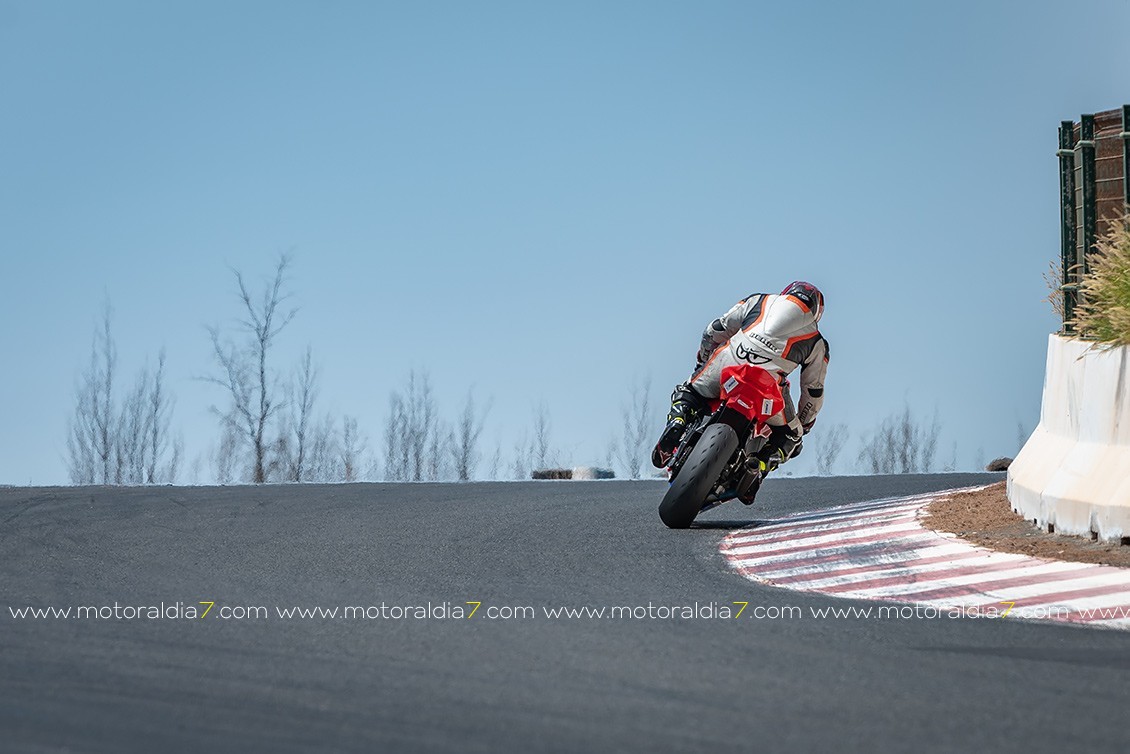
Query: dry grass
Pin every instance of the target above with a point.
(1103, 312)
(1054, 279)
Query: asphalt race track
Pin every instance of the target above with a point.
(482, 684)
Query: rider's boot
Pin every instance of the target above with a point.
(783, 443)
(685, 406)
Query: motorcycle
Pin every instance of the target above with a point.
(715, 461)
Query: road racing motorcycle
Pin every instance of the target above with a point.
(716, 461)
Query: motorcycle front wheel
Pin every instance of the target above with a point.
(698, 476)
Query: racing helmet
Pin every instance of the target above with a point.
(808, 295)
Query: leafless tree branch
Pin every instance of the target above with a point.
(542, 431)
(352, 446)
(632, 448)
(901, 445)
(827, 444)
(120, 443)
(465, 443)
(244, 371)
(302, 407)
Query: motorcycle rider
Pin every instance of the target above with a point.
(777, 332)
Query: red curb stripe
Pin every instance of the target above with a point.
(842, 544)
(969, 590)
(802, 521)
(910, 563)
(873, 552)
(774, 526)
(1076, 594)
(803, 541)
(928, 576)
(754, 539)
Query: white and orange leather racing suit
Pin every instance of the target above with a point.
(775, 332)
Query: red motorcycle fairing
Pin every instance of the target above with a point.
(751, 391)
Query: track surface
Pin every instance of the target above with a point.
(859, 684)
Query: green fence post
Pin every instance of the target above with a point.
(1125, 157)
(1066, 156)
(1085, 161)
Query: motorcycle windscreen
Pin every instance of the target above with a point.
(752, 391)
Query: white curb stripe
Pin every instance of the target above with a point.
(805, 520)
(787, 534)
(906, 559)
(976, 579)
(906, 570)
(819, 538)
(841, 553)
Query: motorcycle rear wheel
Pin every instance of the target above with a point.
(698, 476)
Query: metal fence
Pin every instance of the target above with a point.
(1094, 162)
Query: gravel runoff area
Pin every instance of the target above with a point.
(985, 517)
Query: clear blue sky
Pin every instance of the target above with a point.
(540, 200)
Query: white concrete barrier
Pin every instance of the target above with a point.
(1073, 474)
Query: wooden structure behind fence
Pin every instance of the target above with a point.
(1094, 162)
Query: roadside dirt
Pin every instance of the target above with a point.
(985, 518)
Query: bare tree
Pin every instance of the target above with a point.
(632, 448)
(396, 448)
(420, 423)
(827, 444)
(194, 469)
(130, 434)
(901, 445)
(496, 462)
(90, 438)
(465, 443)
(373, 468)
(542, 430)
(81, 464)
(441, 454)
(280, 455)
(323, 457)
(87, 432)
(244, 369)
(927, 441)
(120, 442)
(103, 399)
(951, 465)
(289, 456)
(352, 446)
(523, 460)
(160, 408)
(226, 458)
(305, 391)
(412, 432)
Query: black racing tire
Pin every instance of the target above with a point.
(698, 475)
